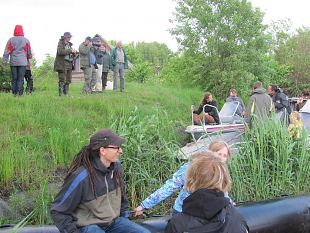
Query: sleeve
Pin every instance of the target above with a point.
(66, 201)
(112, 58)
(170, 187)
(242, 105)
(28, 50)
(62, 51)
(199, 110)
(249, 110)
(125, 60)
(7, 51)
(124, 201)
(84, 50)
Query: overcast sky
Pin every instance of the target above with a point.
(44, 21)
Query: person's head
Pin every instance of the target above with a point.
(67, 37)
(104, 145)
(294, 117)
(119, 44)
(272, 89)
(208, 172)
(207, 98)
(103, 48)
(88, 40)
(221, 148)
(18, 30)
(257, 84)
(233, 92)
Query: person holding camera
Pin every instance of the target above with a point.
(64, 63)
(88, 64)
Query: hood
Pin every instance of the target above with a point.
(98, 165)
(18, 31)
(259, 90)
(205, 203)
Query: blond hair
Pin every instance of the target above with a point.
(218, 145)
(208, 172)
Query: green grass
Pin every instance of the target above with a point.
(41, 133)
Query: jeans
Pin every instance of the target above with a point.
(119, 225)
(18, 73)
(119, 72)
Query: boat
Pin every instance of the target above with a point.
(230, 128)
(288, 214)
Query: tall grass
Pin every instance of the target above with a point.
(270, 164)
(40, 134)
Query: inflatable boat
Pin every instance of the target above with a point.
(283, 215)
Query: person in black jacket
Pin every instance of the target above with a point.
(279, 99)
(206, 209)
(93, 198)
(210, 112)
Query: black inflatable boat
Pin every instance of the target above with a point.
(283, 215)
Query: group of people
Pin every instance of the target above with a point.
(260, 104)
(93, 196)
(95, 61)
(18, 51)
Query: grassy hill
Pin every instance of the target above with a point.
(41, 133)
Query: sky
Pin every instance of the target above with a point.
(45, 21)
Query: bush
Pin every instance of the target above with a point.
(141, 72)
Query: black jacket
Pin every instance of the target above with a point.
(207, 210)
(281, 101)
(211, 111)
(76, 206)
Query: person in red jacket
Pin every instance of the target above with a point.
(18, 50)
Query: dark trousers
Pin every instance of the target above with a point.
(17, 75)
(104, 79)
(29, 80)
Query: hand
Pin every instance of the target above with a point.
(73, 51)
(299, 100)
(138, 211)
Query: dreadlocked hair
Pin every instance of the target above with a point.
(84, 158)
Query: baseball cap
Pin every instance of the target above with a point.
(104, 138)
(88, 38)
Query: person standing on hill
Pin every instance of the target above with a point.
(106, 66)
(88, 64)
(119, 63)
(260, 104)
(64, 63)
(93, 197)
(18, 49)
(29, 78)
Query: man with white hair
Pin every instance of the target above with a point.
(119, 63)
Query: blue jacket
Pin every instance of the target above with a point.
(170, 187)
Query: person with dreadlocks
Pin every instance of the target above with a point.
(93, 198)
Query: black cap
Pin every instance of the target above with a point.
(104, 138)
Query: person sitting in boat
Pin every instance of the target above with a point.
(178, 180)
(207, 209)
(233, 96)
(210, 113)
(302, 99)
(295, 127)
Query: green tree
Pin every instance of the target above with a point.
(227, 41)
(295, 53)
